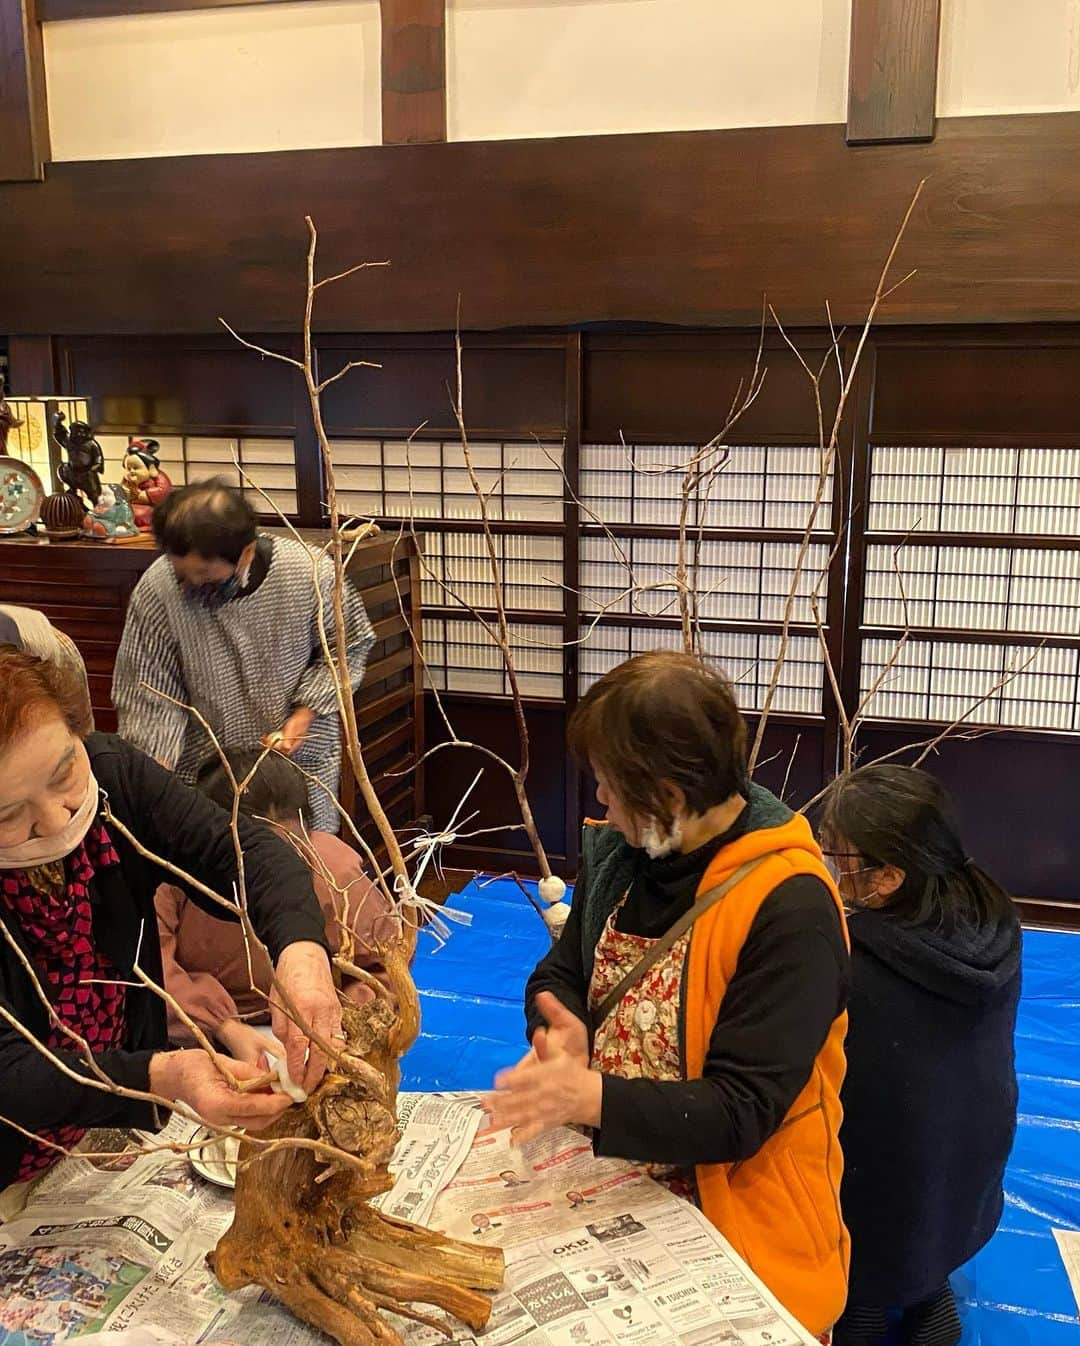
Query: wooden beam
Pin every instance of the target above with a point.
(50, 10)
(892, 74)
(413, 71)
(706, 221)
(24, 115)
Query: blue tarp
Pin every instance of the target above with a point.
(471, 990)
(1015, 1293)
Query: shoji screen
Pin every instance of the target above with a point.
(983, 544)
(968, 484)
(427, 481)
(743, 538)
(265, 463)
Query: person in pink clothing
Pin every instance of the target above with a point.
(205, 960)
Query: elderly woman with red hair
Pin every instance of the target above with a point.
(77, 917)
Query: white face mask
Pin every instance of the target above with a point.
(44, 850)
(657, 844)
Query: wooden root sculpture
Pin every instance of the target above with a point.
(303, 1227)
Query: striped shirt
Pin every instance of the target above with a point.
(245, 665)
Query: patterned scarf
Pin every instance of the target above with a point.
(51, 905)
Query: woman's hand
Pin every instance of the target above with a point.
(191, 1077)
(564, 1033)
(303, 970)
(246, 1043)
(551, 1086)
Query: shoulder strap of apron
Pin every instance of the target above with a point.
(667, 940)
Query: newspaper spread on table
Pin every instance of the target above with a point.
(596, 1251)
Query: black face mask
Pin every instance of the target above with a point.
(215, 594)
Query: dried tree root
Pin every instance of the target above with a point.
(304, 1230)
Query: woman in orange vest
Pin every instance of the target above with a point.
(720, 1063)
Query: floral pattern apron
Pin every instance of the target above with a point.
(640, 1037)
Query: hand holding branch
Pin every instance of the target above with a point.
(191, 1077)
(292, 733)
(303, 974)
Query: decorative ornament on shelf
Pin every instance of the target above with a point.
(21, 491)
(62, 514)
(147, 485)
(65, 512)
(85, 460)
(111, 518)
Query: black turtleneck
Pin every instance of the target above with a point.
(663, 889)
(790, 983)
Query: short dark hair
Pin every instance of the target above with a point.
(277, 790)
(663, 716)
(210, 518)
(896, 815)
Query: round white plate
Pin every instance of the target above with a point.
(215, 1160)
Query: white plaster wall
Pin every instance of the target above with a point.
(1009, 56)
(521, 68)
(306, 75)
(273, 77)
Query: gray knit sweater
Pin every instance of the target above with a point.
(245, 666)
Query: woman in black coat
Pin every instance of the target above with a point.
(930, 1094)
(77, 915)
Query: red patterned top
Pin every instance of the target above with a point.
(57, 927)
(640, 1037)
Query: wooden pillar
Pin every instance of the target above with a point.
(892, 74)
(413, 71)
(32, 366)
(24, 115)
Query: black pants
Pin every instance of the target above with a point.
(934, 1322)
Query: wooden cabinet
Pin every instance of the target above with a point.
(84, 587)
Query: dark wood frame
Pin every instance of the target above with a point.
(413, 71)
(727, 213)
(24, 113)
(51, 10)
(892, 70)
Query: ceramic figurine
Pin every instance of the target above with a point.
(111, 518)
(86, 462)
(146, 483)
